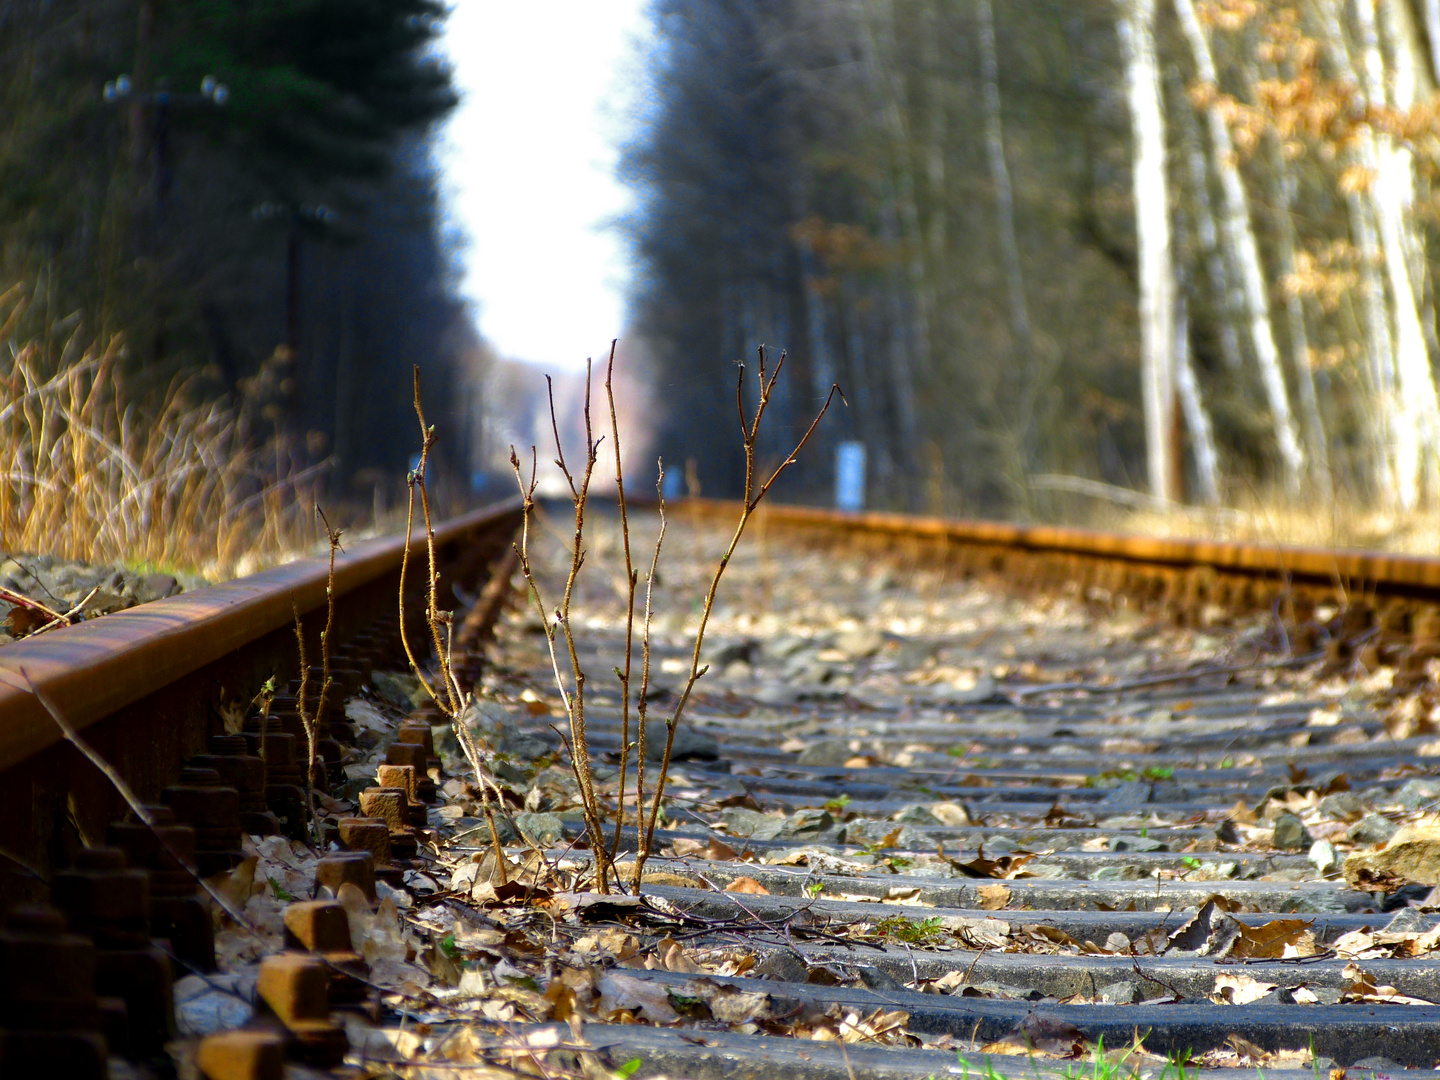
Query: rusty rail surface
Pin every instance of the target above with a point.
(146, 685)
(1163, 560)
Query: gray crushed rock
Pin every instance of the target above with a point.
(61, 584)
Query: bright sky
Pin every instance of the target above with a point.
(530, 170)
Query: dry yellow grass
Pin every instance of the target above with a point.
(89, 473)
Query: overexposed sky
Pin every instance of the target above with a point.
(529, 170)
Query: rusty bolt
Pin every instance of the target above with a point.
(47, 975)
(408, 753)
(242, 1055)
(199, 800)
(317, 926)
(413, 732)
(347, 867)
(397, 776)
(100, 896)
(366, 834)
(387, 804)
(294, 987)
(49, 1017)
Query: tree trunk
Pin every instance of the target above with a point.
(1152, 230)
(1000, 177)
(909, 330)
(1245, 252)
(1284, 189)
(1405, 387)
(1197, 420)
(1229, 299)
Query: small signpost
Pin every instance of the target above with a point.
(850, 476)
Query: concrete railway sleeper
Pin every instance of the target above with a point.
(953, 797)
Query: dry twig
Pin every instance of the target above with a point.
(755, 491)
(454, 701)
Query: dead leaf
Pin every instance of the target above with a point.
(909, 896)
(1248, 1050)
(717, 851)
(993, 897)
(235, 885)
(1239, 989)
(746, 800)
(1271, 940)
(890, 839)
(1057, 817)
(1048, 934)
(672, 958)
(1362, 988)
(1194, 934)
(1005, 866)
(642, 997)
(730, 1005)
(1241, 813)
(748, 886)
(1048, 1035)
(25, 620)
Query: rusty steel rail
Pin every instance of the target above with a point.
(147, 686)
(1129, 560)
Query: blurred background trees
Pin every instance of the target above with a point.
(217, 178)
(1174, 245)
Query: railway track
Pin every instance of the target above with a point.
(954, 796)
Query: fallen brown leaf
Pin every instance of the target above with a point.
(1271, 940)
(1005, 866)
(1239, 989)
(620, 992)
(993, 897)
(1048, 1035)
(747, 885)
(1248, 1050)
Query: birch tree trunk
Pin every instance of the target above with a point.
(1197, 420)
(1245, 252)
(1284, 188)
(1392, 195)
(1406, 402)
(1230, 299)
(1000, 177)
(1429, 16)
(1411, 81)
(1152, 230)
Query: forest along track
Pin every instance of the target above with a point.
(928, 817)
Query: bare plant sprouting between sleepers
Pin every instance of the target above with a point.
(442, 686)
(559, 626)
(310, 720)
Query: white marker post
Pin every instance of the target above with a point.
(850, 476)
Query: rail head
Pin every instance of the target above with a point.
(1385, 572)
